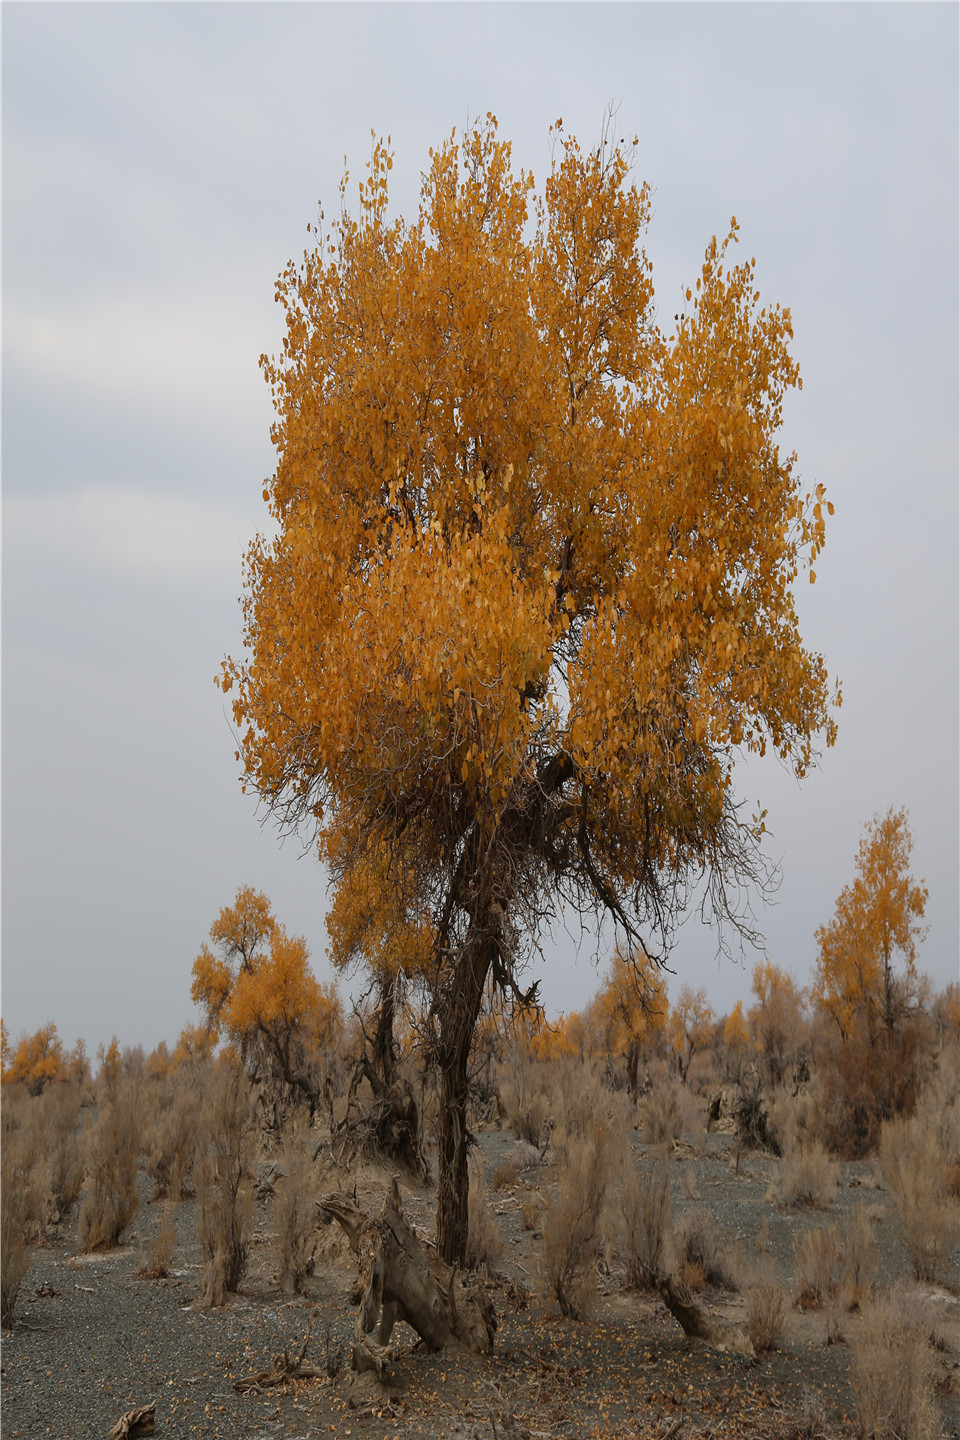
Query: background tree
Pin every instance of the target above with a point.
(878, 917)
(260, 994)
(690, 1027)
(777, 1022)
(37, 1060)
(634, 997)
(531, 586)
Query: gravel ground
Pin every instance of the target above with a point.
(91, 1341)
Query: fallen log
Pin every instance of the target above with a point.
(135, 1422)
(401, 1278)
(697, 1323)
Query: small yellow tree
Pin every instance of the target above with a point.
(878, 917)
(260, 994)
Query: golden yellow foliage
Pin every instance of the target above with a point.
(37, 1061)
(531, 586)
(690, 1027)
(877, 917)
(261, 995)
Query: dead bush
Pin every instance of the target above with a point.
(59, 1121)
(808, 1177)
(819, 1266)
(645, 1220)
(484, 1245)
(19, 1213)
(859, 1257)
(751, 1115)
(916, 1171)
(573, 1221)
(765, 1320)
(224, 1189)
(697, 1241)
(892, 1374)
(294, 1213)
(159, 1259)
(667, 1112)
(172, 1141)
(810, 1421)
(526, 1107)
(113, 1141)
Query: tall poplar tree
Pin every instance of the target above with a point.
(531, 587)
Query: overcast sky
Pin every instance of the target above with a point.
(160, 166)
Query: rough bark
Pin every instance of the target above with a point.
(458, 1014)
(697, 1323)
(401, 1278)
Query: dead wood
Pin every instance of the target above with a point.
(401, 1278)
(135, 1422)
(697, 1323)
(282, 1370)
(387, 1129)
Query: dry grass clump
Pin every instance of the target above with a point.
(808, 1177)
(645, 1223)
(224, 1190)
(698, 1243)
(766, 1311)
(589, 1144)
(113, 1144)
(835, 1268)
(668, 1112)
(294, 1212)
(892, 1374)
(917, 1172)
(484, 1245)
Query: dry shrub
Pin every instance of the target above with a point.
(505, 1175)
(173, 1141)
(917, 1173)
(819, 1267)
(224, 1190)
(294, 1212)
(113, 1143)
(765, 1311)
(866, 1079)
(59, 1112)
(19, 1208)
(484, 1245)
(530, 1213)
(589, 1144)
(698, 1242)
(645, 1220)
(526, 1107)
(859, 1257)
(835, 1268)
(807, 1177)
(892, 1375)
(751, 1115)
(163, 1243)
(572, 1224)
(810, 1421)
(667, 1112)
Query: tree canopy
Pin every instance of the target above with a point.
(878, 917)
(531, 584)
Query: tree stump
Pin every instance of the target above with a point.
(401, 1278)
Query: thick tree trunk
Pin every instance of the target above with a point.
(458, 1015)
(402, 1279)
